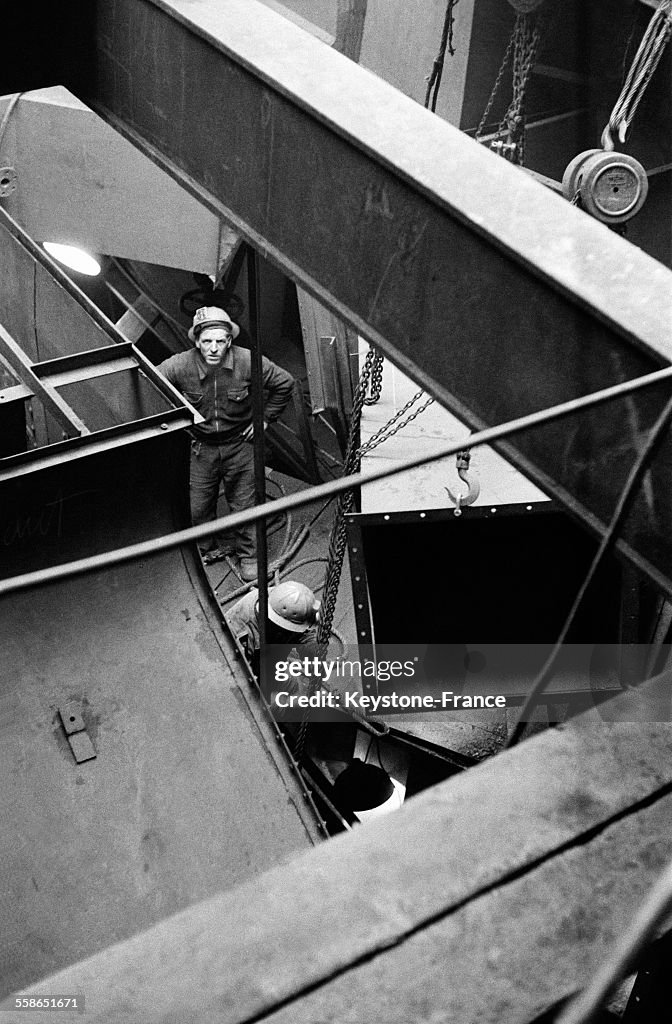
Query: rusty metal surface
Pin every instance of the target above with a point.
(482, 286)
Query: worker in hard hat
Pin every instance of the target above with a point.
(293, 611)
(215, 377)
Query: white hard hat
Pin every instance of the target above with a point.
(293, 606)
(212, 316)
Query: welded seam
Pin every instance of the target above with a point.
(507, 879)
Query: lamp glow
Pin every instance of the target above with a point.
(74, 258)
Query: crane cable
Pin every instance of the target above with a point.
(644, 64)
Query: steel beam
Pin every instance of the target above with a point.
(41, 389)
(485, 288)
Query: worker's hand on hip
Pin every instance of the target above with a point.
(248, 433)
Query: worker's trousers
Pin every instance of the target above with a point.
(232, 464)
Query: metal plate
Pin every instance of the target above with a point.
(71, 717)
(82, 747)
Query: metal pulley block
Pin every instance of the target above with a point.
(8, 181)
(573, 176)
(612, 186)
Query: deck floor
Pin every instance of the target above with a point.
(189, 794)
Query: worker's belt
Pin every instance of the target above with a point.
(214, 438)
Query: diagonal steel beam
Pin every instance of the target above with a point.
(12, 354)
(485, 288)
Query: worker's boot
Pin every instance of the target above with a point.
(248, 569)
(217, 554)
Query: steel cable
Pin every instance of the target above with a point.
(643, 66)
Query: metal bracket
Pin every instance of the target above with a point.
(81, 746)
(75, 729)
(71, 717)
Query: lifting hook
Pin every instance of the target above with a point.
(463, 459)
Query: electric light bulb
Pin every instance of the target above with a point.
(78, 260)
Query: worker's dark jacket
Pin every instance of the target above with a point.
(222, 394)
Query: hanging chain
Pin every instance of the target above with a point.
(337, 540)
(495, 89)
(371, 378)
(376, 377)
(525, 44)
(385, 431)
(338, 537)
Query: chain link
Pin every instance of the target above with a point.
(376, 378)
(338, 536)
(337, 540)
(384, 433)
(495, 89)
(523, 44)
(371, 377)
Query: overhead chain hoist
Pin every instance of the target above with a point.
(612, 186)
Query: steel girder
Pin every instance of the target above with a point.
(494, 294)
